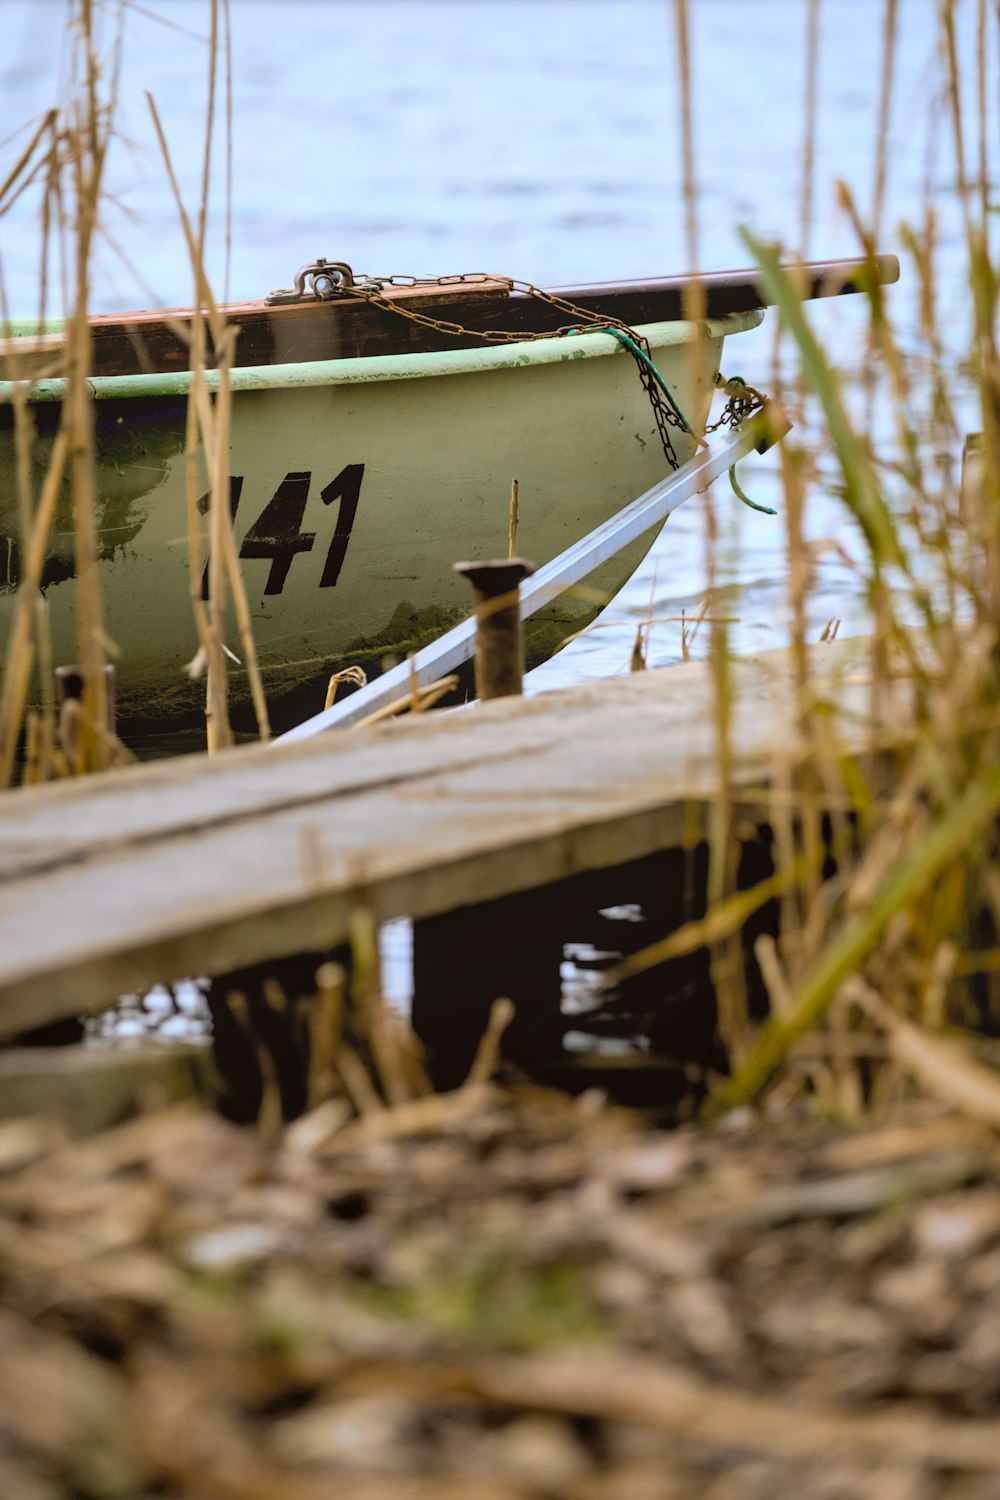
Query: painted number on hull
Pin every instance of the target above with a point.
(277, 532)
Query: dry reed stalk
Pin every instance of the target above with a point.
(484, 1064)
(984, 286)
(224, 339)
(379, 1029)
(982, 54)
(357, 1082)
(32, 749)
(781, 814)
(77, 144)
(270, 1118)
(19, 654)
(947, 14)
(206, 165)
(809, 137)
(883, 342)
(357, 676)
(200, 426)
(913, 873)
(19, 178)
(78, 149)
(416, 1117)
(646, 625)
(512, 526)
(192, 486)
(870, 240)
(638, 1390)
(325, 1025)
(427, 697)
(917, 864)
(694, 293)
(24, 442)
(233, 570)
(89, 144)
(212, 427)
(805, 830)
(940, 1065)
(774, 976)
(889, 33)
(721, 923)
(227, 52)
(726, 967)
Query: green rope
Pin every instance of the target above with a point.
(765, 510)
(640, 354)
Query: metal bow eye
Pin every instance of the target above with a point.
(318, 279)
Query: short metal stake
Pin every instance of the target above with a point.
(499, 637)
(69, 684)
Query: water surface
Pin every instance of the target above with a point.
(537, 138)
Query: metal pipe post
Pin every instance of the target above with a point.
(69, 685)
(499, 637)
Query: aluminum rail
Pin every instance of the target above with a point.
(651, 509)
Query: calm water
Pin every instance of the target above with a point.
(534, 137)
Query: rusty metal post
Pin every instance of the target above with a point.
(499, 637)
(69, 683)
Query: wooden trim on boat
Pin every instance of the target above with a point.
(346, 328)
(33, 357)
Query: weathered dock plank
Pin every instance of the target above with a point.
(197, 866)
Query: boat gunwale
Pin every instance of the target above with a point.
(374, 369)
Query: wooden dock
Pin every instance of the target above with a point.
(198, 866)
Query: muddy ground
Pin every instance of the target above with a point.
(501, 1294)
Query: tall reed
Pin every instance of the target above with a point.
(888, 887)
(67, 155)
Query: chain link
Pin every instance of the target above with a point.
(744, 400)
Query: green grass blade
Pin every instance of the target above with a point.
(940, 847)
(863, 488)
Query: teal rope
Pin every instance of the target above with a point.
(640, 354)
(765, 510)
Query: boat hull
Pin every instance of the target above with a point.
(356, 484)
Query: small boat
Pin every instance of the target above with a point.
(375, 431)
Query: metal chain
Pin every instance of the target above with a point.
(743, 399)
(664, 417)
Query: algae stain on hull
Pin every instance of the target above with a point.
(132, 454)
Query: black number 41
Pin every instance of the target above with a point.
(277, 532)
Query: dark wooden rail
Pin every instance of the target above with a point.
(342, 328)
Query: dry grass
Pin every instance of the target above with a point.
(67, 154)
(916, 872)
(498, 1294)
